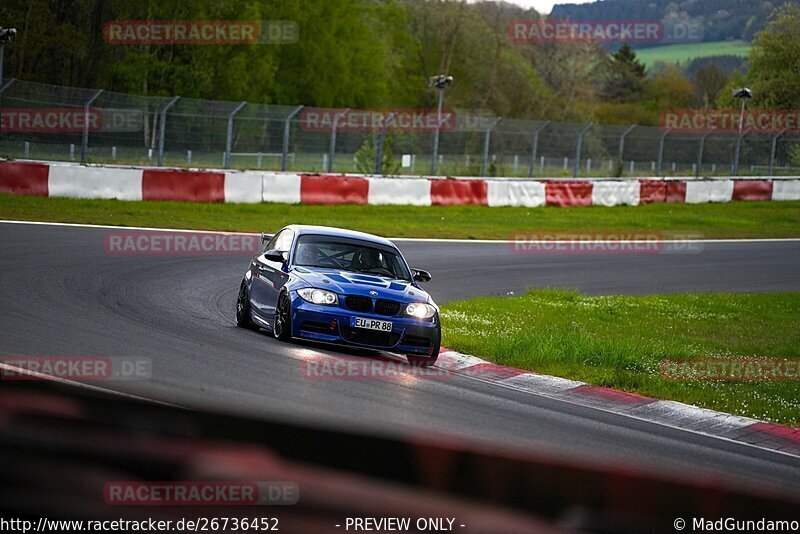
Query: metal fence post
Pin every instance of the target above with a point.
(332, 146)
(163, 129)
(661, 151)
(286, 130)
(2, 90)
(6, 85)
(229, 136)
(379, 153)
(737, 150)
(622, 141)
(772, 151)
(700, 153)
(578, 146)
(535, 146)
(487, 140)
(379, 147)
(85, 140)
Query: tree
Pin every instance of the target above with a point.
(709, 81)
(668, 90)
(622, 76)
(775, 61)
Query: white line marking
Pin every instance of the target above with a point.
(401, 239)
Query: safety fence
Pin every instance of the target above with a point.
(55, 123)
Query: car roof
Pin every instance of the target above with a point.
(330, 231)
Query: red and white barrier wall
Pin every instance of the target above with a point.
(125, 183)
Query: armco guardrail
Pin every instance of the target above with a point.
(147, 183)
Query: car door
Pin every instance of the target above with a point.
(269, 277)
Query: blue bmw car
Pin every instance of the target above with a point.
(339, 286)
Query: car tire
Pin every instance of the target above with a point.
(243, 308)
(282, 324)
(423, 361)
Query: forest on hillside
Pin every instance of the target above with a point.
(378, 53)
(722, 20)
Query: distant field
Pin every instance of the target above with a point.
(684, 53)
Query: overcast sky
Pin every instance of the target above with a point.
(544, 6)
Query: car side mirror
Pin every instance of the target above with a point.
(265, 237)
(421, 276)
(276, 256)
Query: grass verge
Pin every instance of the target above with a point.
(620, 342)
(714, 221)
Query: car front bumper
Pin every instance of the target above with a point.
(332, 324)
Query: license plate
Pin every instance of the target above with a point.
(372, 324)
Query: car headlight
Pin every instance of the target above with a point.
(318, 296)
(420, 310)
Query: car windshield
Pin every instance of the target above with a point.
(350, 255)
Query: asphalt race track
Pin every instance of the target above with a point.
(62, 294)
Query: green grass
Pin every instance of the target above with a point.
(730, 220)
(620, 341)
(685, 53)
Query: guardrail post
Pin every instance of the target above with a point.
(85, 140)
(661, 151)
(578, 146)
(535, 146)
(286, 130)
(773, 149)
(332, 146)
(229, 137)
(163, 129)
(700, 153)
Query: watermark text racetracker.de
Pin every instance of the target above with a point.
(84, 368)
(349, 368)
(606, 242)
(131, 243)
(635, 31)
(371, 120)
(731, 369)
(70, 120)
(755, 121)
(205, 493)
(200, 32)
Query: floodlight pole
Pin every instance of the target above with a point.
(441, 82)
(436, 133)
(744, 93)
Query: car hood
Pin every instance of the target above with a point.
(350, 283)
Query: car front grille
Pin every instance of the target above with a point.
(358, 303)
(387, 307)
